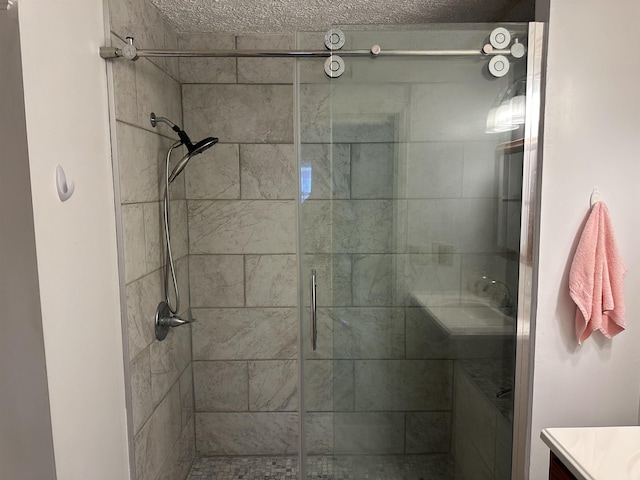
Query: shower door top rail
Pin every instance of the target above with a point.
(129, 51)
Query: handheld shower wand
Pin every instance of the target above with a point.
(166, 313)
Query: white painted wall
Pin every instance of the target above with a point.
(67, 123)
(591, 139)
(26, 444)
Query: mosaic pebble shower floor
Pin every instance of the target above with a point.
(411, 467)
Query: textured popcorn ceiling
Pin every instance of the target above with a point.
(288, 16)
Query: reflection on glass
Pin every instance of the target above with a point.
(305, 182)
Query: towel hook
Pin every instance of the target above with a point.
(595, 197)
(65, 188)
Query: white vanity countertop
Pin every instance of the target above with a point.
(597, 453)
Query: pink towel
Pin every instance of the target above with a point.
(595, 281)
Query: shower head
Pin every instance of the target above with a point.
(184, 138)
(196, 149)
(192, 149)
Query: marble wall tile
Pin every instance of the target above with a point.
(375, 281)
(186, 396)
(475, 417)
(207, 70)
(153, 236)
(273, 386)
(241, 226)
(216, 280)
(319, 433)
(271, 280)
(156, 439)
(403, 385)
(352, 126)
(178, 463)
(268, 171)
(330, 169)
(179, 229)
(240, 113)
(265, 70)
(169, 358)
(473, 231)
(159, 93)
(135, 257)
(504, 445)
(434, 169)
(215, 173)
(315, 113)
(365, 332)
(318, 384)
(368, 433)
(468, 462)
(333, 279)
(425, 338)
(141, 400)
(245, 333)
(221, 386)
(362, 226)
(328, 385)
(343, 386)
(124, 85)
(311, 71)
(143, 297)
(368, 113)
(265, 433)
(316, 226)
(423, 273)
(182, 275)
(348, 226)
(480, 178)
(171, 65)
(452, 111)
(139, 155)
(137, 19)
(428, 432)
(373, 170)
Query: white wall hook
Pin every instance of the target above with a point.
(595, 197)
(65, 190)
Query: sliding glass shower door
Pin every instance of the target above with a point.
(410, 199)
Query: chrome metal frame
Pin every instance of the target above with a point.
(111, 98)
(374, 51)
(529, 233)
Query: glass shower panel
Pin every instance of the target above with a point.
(410, 182)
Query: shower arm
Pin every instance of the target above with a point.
(154, 121)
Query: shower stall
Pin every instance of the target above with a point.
(355, 250)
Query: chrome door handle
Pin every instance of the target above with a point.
(314, 312)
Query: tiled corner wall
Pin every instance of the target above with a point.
(242, 245)
(160, 372)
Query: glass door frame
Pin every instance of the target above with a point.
(528, 261)
(528, 258)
